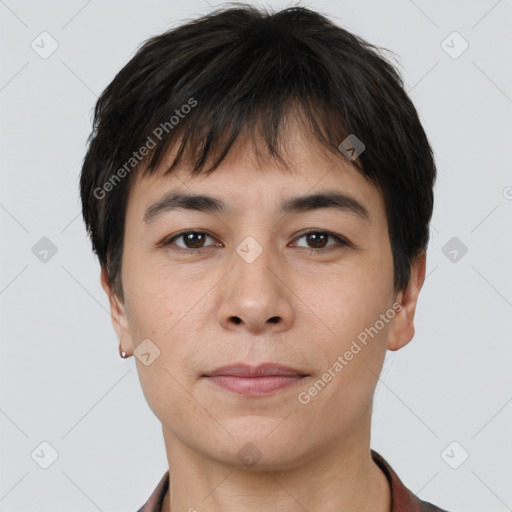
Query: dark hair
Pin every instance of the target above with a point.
(242, 68)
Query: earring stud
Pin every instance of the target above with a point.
(123, 354)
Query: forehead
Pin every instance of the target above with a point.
(248, 179)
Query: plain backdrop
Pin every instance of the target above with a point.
(443, 411)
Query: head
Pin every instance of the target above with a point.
(253, 111)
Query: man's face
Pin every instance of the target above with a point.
(255, 287)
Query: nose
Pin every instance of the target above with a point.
(255, 296)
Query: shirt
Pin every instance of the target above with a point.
(402, 499)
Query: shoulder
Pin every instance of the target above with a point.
(425, 506)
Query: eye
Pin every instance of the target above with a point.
(193, 240)
(319, 240)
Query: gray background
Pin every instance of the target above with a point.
(62, 380)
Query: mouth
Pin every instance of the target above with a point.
(247, 380)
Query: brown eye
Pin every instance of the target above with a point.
(192, 240)
(317, 240)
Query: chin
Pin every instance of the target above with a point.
(259, 451)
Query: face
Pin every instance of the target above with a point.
(308, 288)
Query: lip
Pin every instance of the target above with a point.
(261, 370)
(248, 380)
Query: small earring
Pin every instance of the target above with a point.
(123, 354)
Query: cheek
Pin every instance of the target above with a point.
(350, 362)
(166, 319)
(157, 302)
(352, 314)
(349, 298)
(171, 313)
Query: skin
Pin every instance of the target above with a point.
(314, 457)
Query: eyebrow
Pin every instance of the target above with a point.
(328, 199)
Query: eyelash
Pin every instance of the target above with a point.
(342, 241)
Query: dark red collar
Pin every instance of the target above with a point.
(402, 499)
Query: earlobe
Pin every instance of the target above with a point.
(118, 315)
(402, 326)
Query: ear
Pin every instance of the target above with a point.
(118, 314)
(402, 327)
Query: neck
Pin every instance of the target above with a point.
(343, 478)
